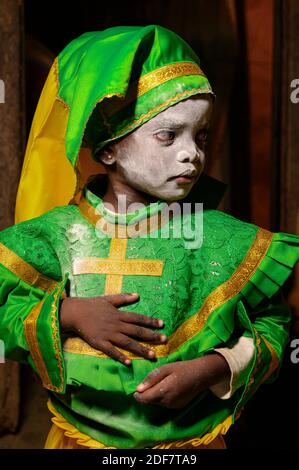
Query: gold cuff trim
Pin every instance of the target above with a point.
(195, 324)
(152, 80)
(55, 334)
(32, 341)
(30, 330)
(82, 439)
(25, 271)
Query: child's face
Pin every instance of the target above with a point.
(151, 158)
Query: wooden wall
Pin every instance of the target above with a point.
(11, 153)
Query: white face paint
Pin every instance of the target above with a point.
(170, 144)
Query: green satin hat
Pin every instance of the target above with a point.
(120, 78)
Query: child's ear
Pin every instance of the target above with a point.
(107, 155)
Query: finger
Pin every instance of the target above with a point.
(143, 333)
(130, 344)
(156, 394)
(153, 378)
(114, 353)
(121, 299)
(139, 319)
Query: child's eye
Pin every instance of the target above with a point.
(202, 137)
(165, 136)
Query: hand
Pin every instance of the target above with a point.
(175, 385)
(102, 325)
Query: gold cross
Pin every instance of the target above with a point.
(116, 266)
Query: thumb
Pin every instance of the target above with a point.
(121, 299)
(153, 378)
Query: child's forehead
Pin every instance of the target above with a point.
(193, 110)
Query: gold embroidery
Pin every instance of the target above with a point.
(195, 442)
(129, 267)
(30, 330)
(215, 299)
(55, 334)
(118, 248)
(274, 364)
(25, 271)
(32, 341)
(167, 72)
(153, 79)
(56, 75)
(116, 266)
(141, 228)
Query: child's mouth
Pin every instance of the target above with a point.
(183, 179)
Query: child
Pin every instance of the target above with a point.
(143, 334)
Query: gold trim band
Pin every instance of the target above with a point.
(55, 334)
(25, 271)
(165, 73)
(152, 80)
(195, 324)
(32, 341)
(128, 267)
(117, 266)
(30, 330)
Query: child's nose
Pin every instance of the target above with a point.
(191, 155)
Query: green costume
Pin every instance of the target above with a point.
(207, 295)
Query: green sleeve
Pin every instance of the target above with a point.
(268, 325)
(30, 292)
(265, 315)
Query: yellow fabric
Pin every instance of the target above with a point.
(45, 164)
(64, 435)
(60, 439)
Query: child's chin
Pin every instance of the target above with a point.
(182, 192)
(175, 197)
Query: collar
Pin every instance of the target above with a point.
(147, 218)
(123, 225)
(128, 218)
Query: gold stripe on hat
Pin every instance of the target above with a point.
(151, 80)
(168, 72)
